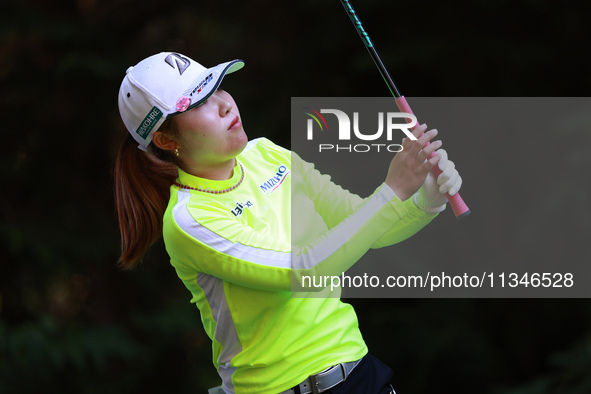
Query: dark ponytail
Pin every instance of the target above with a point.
(142, 191)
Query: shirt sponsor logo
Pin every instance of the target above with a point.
(273, 183)
(240, 207)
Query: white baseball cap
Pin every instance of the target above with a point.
(165, 85)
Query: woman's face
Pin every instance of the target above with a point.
(211, 133)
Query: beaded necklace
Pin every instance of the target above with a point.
(214, 191)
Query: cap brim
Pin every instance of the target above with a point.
(204, 87)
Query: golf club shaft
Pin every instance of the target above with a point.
(458, 205)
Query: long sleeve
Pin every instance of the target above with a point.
(208, 239)
(334, 204)
(408, 226)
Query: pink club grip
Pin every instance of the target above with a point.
(458, 205)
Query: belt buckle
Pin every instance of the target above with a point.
(314, 384)
(342, 365)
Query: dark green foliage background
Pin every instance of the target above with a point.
(70, 321)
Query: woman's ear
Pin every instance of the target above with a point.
(163, 141)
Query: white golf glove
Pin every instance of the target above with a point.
(431, 196)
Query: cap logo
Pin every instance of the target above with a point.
(149, 122)
(201, 85)
(177, 62)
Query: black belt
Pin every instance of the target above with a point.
(324, 380)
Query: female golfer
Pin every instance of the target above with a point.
(223, 205)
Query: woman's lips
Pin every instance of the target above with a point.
(236, 124)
